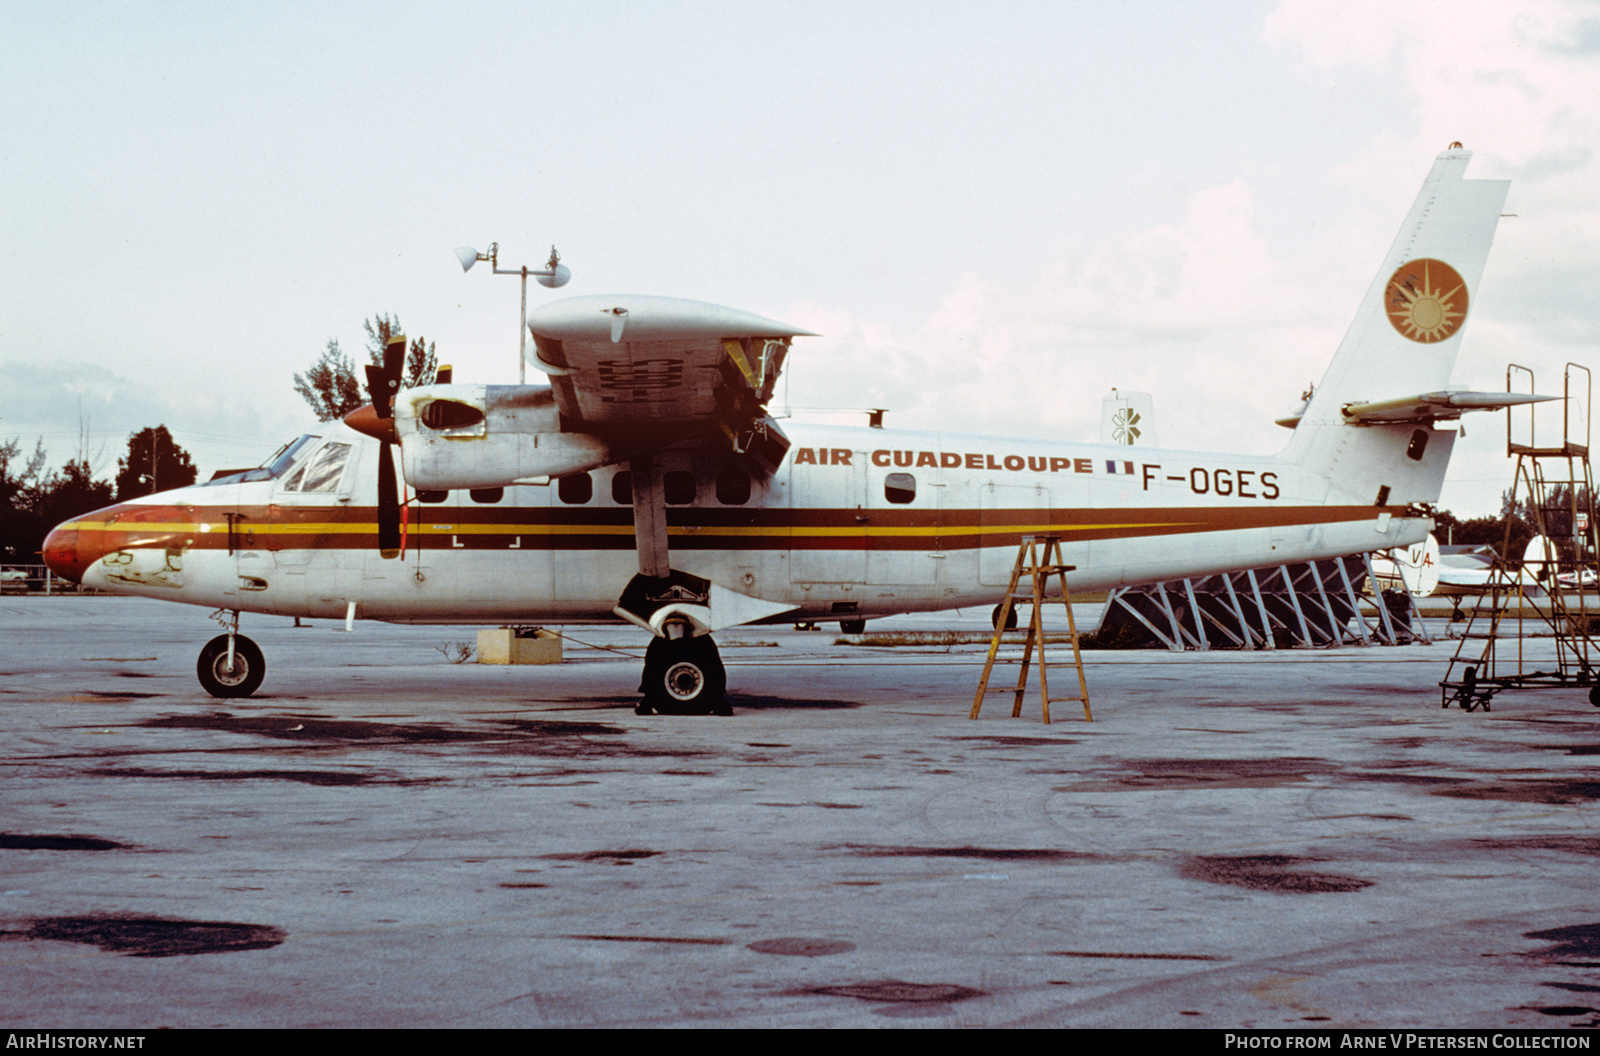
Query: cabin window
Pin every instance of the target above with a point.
(622, 488)
(487, 494)
(899, 488)
(733, 487)
(576, 489)
(432, 496)
(678, 487)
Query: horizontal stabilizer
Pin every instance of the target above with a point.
(1427, 407)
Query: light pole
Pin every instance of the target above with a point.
(554, 274)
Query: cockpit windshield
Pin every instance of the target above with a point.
(279, 463)
(289, 454)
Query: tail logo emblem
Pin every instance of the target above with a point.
(1426, 300)
(1125, 426)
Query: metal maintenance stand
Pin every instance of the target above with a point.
(1038, 558)
(1559, 489)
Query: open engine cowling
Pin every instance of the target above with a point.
(487, 436)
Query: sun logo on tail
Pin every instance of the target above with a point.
(1426, 300)
(1125, 426)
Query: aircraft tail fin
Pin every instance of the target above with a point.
(1403, 342)
(1128, 418)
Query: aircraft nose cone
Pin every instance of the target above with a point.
(61, 553)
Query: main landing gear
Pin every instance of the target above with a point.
(683, 676)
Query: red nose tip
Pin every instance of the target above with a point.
(61, 552)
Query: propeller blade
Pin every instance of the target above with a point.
(383, 382)
(394, 356)
(388, 504)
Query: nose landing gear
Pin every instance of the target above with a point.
(236, 676)
(230, 665)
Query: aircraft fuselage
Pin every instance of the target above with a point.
(857, 522)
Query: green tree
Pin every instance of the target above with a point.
(155, 463)
(20, 481)
(330, 386)
(33, 501)
(72, 491)
(334, 388)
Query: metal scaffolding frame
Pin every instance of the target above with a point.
(1559, 488)
(1311, 604)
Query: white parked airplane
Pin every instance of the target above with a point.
(1425, 572)
(647, 482)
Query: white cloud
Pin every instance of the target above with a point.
(84, 410)
(1199, 312)
(1225, 316)
(1517, 82)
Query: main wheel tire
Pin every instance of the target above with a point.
(1010, 616)
(853, 626)
(243, 679)
(684, 676)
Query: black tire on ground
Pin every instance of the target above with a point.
(249, 667)
(852, 626)
(1010, 616)
(684, 676)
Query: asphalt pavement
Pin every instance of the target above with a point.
(383, 838)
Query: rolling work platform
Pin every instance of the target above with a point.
(1311, 604)
(1557, 486)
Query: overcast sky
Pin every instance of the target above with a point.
(993, 212)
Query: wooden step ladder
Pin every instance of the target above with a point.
(1038, 558)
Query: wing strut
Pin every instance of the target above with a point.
(649, 517)
(669, 602)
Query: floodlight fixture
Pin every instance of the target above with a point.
(554, 274)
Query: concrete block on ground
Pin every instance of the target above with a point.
(508, 645)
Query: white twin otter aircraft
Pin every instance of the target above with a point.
(648, 482)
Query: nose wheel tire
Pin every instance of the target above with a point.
(240, 680)
(684, 676)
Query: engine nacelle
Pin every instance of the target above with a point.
(488, 436)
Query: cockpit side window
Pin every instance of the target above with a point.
(292, 483)
(321, 472)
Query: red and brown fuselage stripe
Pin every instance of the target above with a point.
(690, 528)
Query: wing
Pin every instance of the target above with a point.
(627, 375)
(627, 361)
